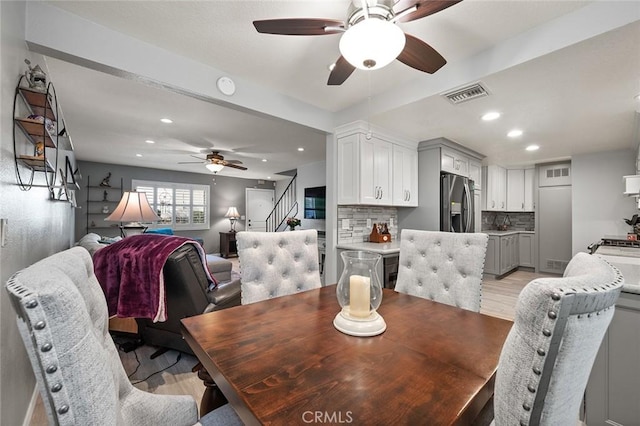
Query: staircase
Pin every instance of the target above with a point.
(286, 206)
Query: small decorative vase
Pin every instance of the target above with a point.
(359, 294)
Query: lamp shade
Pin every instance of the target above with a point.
(232, 213)
(372, 43)
(133, 207)
(213, 167)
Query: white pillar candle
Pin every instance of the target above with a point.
(359, 295)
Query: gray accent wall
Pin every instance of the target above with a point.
(37, 227)
(225, 192)
(598, 205)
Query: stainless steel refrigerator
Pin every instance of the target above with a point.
(456, 203)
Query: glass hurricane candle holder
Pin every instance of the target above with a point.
(359, 294)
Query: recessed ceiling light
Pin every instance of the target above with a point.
(166, 120)
(301, 149)
(514, 133)
(268, 177)
(138, 155)
(264, 160)
(532, 148)
(150, 141)
(637, 97)
(491, 116)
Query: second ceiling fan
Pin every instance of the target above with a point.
(371, 39)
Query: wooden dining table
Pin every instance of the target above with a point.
(282, 362)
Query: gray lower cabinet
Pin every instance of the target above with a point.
(492, 258)
(614, 385)
(509, 253)
(527, 250)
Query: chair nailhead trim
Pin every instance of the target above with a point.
(526, 407)
(522, 423)
(32, 304)
(39, 325)
(51, 369)
(531, 389)
(546, 332)
(555, 296)
(536, 371)
(63, 409)
(553, 315)
(56, 388)
(46, 347)
(541, 352)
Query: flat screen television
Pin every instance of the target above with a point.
(314, 202)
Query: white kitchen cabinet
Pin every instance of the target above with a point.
(454, 162)
(475, 174)
(364, 170)
(495, 188)
(527, 250)
(520, 190)
(529, 182)
(405, 176)
(376, 159)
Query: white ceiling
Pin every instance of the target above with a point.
(575, 99)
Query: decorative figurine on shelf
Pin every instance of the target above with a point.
(39, 149)
(292, 222)
(105, 195)
(105, 181)
(93, 224)
(105, 209)
(36, 78)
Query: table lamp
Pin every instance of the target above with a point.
(359, 293)
(133, 208)
(233, 216)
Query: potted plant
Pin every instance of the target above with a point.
(292, 222)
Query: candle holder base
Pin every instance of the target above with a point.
(360, 327)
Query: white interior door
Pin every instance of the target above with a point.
(259, 204)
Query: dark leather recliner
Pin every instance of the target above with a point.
(187, 294)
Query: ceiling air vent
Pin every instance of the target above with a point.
(467, 93)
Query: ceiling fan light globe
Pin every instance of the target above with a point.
(372, 43)
(213, 167)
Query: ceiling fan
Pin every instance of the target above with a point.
(370, 37)
(216, 162)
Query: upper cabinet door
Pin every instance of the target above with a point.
(454, 162)
(405, 176)
(496, 188)
(515, 190)
(475, 174)
(529, 182)
(348, 171)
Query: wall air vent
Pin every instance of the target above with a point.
(467, 93)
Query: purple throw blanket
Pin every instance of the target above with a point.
(130, 273)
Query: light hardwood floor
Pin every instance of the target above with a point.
(498, 299)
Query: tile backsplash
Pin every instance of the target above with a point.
(357, 216)
(525, 221)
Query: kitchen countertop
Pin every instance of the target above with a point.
(509, 232)
(380, 248)
(627, 261)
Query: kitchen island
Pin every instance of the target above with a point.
(614, 385)
(388, 266)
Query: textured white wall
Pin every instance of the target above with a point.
(598, 205)
(37, 227)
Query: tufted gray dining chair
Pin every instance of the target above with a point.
(548, 355)
(442, 266)
(63, 320)
(274, 264)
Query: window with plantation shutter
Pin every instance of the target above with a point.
(180, 206)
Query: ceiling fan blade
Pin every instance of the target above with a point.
(235, 166)
(233, 161)
(424, 8)
(191, 162)
(299, 26)
(419, 55)
(340, 72)
(199, 158)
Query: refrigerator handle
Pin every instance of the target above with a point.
(467, 194)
